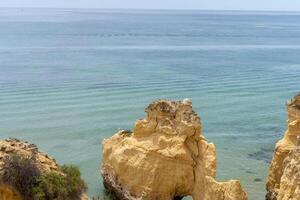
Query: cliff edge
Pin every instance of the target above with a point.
(284, 177)
(165, 157)
(26, 173)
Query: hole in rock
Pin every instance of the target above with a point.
(183, 198)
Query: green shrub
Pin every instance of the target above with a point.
(21, 173)
(76, 185)
(60, 187)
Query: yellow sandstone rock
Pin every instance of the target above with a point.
(16, 147)
(283, 179)
(165, 158)
(290, 180)
(7, 193)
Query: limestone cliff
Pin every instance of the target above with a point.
(290, 179)
(43, 162)
(165, 157)
(282, 184)
(16, 147)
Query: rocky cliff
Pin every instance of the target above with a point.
(284, 177)
(43, 164)
(24, 149)
(165, 157)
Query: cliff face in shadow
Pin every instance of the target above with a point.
(284, 177)
(165, 157)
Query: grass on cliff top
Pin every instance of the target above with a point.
(23, 175)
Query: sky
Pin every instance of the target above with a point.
(282, 5)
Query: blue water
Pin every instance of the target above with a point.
(69, 78)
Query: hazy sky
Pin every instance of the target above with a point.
(160, 4)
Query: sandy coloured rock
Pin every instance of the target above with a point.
(283, 179)
(8, 193)
(165, 157)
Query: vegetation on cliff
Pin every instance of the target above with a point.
(20, 173)
(36, 176)
(23, 174)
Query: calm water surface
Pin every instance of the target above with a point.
(69, 78)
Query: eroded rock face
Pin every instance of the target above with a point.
(290, 180)
(16, 147)
(281, 183)
(165, 158)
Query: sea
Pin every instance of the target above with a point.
(71, 77)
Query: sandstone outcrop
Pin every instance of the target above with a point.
(16, 147)
(8, 193)
(165, 157)
(44, 163)
(284, 177)
(290, 180)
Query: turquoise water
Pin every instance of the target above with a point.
(70, 78)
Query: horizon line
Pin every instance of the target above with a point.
(152, 9)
